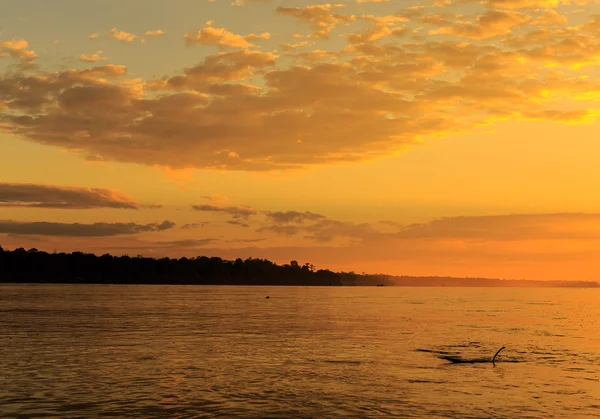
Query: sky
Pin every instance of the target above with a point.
(444, 137)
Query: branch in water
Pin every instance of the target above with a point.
(494, 358)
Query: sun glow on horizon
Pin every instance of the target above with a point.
(436, 138)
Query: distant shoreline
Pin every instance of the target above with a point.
(31, 266)
(593, 286)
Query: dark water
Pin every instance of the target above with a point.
(185, 352)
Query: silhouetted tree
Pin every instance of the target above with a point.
(77, 267)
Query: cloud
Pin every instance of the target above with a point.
(293, 216)
(592, 26)
(43, 228)
(488, 25)
(236, 212)
(371, 95)
(239, 3)
(238, 223)
(321, 17)
(62, 197)
(381, 27)
(92, 58)
(18, 48)
(286, 230)
(519, 245)
(93, 36)
(221, 37)
(508, 227)
(304, 115)
(322, 229)
(194, 225)
(522, 4)
(183, 177)
(122, 36)
(517, 227)
(154, 33)
(215, 72)
(186, 243)
(572, 47)
(317, 55)
(246, 240)
(291, 47)
(327, 230)
(217, 199)
(550, 17)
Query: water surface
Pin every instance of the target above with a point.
(199, 351)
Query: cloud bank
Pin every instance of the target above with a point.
(388, 81)
(43, 228)
(61, 197)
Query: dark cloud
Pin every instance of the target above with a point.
(286, 230)
(194, 225)
(43, 228)
(237, 223)
(327, 230)
(389, 223)
(47, 196)
(514, 227)
(293, 216)
(246, 240)
(507, 227)
(236, 212)
(187, 242)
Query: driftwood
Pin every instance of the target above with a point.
(494, 358)
(459, 360)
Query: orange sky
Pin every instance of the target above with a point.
(433, 138)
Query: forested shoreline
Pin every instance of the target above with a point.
(34, 266)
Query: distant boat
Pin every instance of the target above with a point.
(380, 285)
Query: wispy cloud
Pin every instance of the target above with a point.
(122, 36)
(187, 243)
(221, 37)
(514, 227)
(43, 228)
(236, 212)
(63, 197)
(293, 216)
(321, 17)
(154, 33)
(237, 223)
(194, 225)
(92, 58)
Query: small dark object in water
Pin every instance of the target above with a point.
(380, 285)
(459, 360)
(342, 361)
(494, 358)
(267, 296)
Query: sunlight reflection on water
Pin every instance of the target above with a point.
(199, 351)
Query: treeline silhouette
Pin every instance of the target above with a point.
(36, 266)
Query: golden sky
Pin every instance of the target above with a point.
(445, 137)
